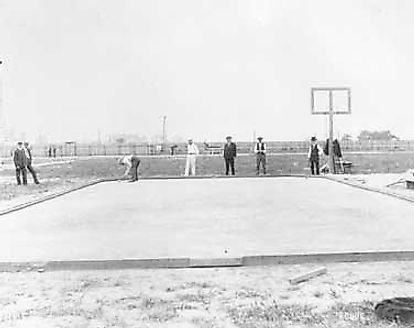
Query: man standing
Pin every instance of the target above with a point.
(20, 162)
(260, 150)
(28, 153)
(192, 152)
(313, 156)
(131, 162)
(230, 153)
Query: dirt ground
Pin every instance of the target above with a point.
(259, 297)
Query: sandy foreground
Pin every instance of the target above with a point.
(226, 297)
(206, 298)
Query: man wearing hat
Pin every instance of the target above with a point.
(20, 162)
(260, 150)
(230, 153)
(315, 151)
(192, 152)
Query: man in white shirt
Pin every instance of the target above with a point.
(260, 151)
(131, 163)
(192, 152)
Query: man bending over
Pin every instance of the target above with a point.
(131, 163)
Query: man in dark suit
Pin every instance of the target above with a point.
(315, 151)
(20, 162)
(230, 153)
(28, 153)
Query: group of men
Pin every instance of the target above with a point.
(23, 163)
(23, 159)
(315, 152)
(229, 154)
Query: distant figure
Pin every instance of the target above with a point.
(336, 148)
(131, 162)
(313, 156)
(173, 149)
(50, 151)
(28, 153)
(230, 153)
(260, 151)
(20, 162)
(337, 154)
(159, 149)
(192, 152)
(54, 152)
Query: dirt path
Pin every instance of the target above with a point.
(258, 297)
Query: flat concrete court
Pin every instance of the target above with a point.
(207, 218)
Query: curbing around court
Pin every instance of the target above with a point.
(95, 182)
(50, 197)
(370, 188)
(187, 263)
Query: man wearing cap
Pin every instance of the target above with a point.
(230, 153)
(30, 168)
(260, 150)
(313, 156)
(192, 152)
(20, 162)
(131, 162)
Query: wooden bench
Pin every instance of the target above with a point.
(344, 166)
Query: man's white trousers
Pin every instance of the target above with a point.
(190, 166)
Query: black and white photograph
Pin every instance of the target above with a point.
(206, 163)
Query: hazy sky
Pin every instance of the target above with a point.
(217, 67)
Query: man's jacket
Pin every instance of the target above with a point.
(230, 150)
(20, 159)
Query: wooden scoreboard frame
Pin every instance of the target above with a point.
(331, 111)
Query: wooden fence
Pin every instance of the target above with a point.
(273, 147)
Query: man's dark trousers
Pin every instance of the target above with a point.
(23, 172)
(230, 153)
(32, 172)
(261, 158)
(134, 168)
(314, 167)
(230, 164)
(20, 162)
(30, 167)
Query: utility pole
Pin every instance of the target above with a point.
(1, 97)
(164, 131)
(254, 139)
(2, 141)
(331, 134)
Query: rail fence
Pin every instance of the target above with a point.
(273, 147)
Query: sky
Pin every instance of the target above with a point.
(76, 69)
